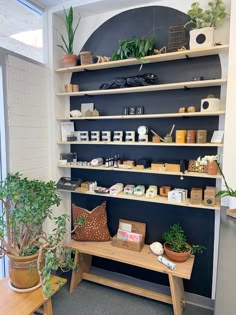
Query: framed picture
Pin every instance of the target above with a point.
(217, 136)
(85, 107)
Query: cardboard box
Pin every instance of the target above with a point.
(172, 167)
(134, 227)
(196, 196)
(157, 166)
(209, 196)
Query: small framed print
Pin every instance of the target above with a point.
(126, 110)
(217, 136)
(132, 110)
(139, 110)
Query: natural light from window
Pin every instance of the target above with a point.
(21, 28)
(31, 38)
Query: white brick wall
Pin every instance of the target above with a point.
(27, 123)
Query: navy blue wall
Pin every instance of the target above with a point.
(198, 223)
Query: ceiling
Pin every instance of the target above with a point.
(46, 3)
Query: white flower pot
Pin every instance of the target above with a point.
(202, 37)
(210, 104)
(232, 202)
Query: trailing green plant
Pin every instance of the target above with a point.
(134, 48)
(176, 240)
(214, 15)
(228, 192)
(26, 205)
(67, 44)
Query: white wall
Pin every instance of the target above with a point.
(27, 122)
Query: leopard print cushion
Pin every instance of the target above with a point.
(95, 226)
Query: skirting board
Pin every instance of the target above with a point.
(190, 298)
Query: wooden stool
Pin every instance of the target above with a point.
(13, 303)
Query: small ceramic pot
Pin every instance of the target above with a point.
(202, 37)
(212, 168)
(179, 257)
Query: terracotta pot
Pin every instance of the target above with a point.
(23, 271)
(212, 168)
(179, 257)
(69, 60)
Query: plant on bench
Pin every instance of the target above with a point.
(176, 246)
(26, 206)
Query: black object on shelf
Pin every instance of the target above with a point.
(68, 183)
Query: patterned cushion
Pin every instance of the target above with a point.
(95, 226)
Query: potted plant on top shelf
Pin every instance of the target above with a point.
(176, 246)
(32, 254)
(203, 22)
(69, 58)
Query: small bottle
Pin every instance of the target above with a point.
(116, 161)
(95, 185)
(107, 163)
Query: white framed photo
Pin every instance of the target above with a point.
(85, 107)
(217, 136)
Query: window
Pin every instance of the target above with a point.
(22, 28)
(2, 156)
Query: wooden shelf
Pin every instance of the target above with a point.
(147, 171)
(149, 59)
(150, 88)
(158, 199)
(172, 144)
(149, 116)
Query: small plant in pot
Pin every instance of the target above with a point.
(228, 192)
(176, 246)
(69, 58)
(32, 254)
(202, 22)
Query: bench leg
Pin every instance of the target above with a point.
(47, 307)
(177, 294)
(84, 262)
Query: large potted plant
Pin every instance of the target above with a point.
(69, 58)
(32, 254)
(176, 246)
(203, 22)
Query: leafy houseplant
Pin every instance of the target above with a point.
(176, 246)
(26, 206)
(134, 48)
(203, 22)
(69, 59)
(211, 17)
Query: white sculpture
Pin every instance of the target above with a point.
(157, 248)
(75, 113)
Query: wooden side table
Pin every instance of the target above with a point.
(13, 303)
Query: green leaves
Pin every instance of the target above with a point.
(214, 15)
(134, 48)
(67, 45)
(176, 239)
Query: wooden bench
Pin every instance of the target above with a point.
(13, 303)
(144, 259)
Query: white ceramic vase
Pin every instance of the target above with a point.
(232, 202)
(201, 38)
(210, 105)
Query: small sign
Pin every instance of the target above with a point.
(217, 136)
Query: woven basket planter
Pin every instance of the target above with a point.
(86, 57)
